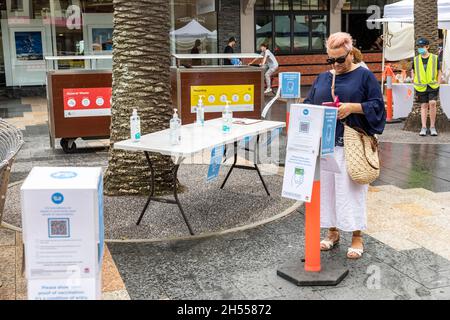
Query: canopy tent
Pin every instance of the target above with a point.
(183, 39)
(403, 11)
(192, 29)
(399, 44)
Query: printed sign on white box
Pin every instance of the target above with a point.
(62, 214)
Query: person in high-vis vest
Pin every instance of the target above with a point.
(427, 77)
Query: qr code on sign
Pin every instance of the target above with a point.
(58, 228)
(304, 127)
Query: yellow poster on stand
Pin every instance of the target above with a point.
(241, 97)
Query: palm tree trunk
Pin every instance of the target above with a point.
(426, 26)
(141, 80)
(426, 22)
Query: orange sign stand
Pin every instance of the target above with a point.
(311, 271)
(389, 75)
(312, 231)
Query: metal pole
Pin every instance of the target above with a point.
(383, 63)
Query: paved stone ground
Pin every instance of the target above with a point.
(394, 133)
(413, 264)
(243, 266)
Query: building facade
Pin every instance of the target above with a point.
(296, 31)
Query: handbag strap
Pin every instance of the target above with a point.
(333, 85)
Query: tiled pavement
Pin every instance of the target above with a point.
(243, 266)
(406, 250)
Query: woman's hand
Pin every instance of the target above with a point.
(345, 109)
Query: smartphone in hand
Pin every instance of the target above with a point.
(335, 104)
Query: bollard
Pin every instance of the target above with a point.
(312, 231)
(311, 271)
(389, 74)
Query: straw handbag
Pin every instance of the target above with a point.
(361, 153)
(361, 156)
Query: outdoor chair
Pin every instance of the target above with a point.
(11, 141)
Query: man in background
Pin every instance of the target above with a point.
(427, 77)
(196, 50)
(229, 49)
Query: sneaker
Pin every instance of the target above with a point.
(423, 132)
(268, 91)
(433, 132)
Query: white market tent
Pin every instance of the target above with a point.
(403, 11)
(192, 29)
(398, 22)
(183, 39)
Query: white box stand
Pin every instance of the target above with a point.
(63, 233)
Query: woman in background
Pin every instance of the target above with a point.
(358, 58)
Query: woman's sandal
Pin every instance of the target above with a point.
(355, 253)
(328, 244)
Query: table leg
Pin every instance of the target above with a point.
(262, 180)
(256, 168)
(152, 187)
(175, 194)
(161, 200)
(232, 167)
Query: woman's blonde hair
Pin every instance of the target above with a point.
(340, 40)
(357, 56)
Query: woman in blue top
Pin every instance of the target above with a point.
(344, 202)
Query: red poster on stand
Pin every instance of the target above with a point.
(87, 102)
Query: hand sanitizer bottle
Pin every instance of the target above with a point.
(227, 118)
(175, 129)
(200, 112)
(135, 126)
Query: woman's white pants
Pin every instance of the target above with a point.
(343, 202)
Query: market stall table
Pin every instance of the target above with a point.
(403, 94)
(242, 86)
(196, 139)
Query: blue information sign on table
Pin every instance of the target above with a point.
(290, 85)
(216, 162)
(329, 132)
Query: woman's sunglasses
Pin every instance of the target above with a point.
(339, 60)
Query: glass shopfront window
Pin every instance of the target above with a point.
(34, 29)
(194, 21)
(354, 21)
(292, 26)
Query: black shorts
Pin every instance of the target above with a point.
(427, 96)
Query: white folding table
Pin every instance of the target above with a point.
(195, 139)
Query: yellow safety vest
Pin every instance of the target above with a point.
(429, 77)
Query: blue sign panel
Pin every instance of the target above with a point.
(329, 132)
(216, 162)
(290, 85)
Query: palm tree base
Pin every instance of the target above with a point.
(414, 121)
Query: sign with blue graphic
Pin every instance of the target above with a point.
(62, 213)
(216, 162)
(290, 85)
(62, 175)
(57, 198)
(329, 132)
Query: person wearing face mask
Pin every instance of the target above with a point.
(343, 201)
(427, 77)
